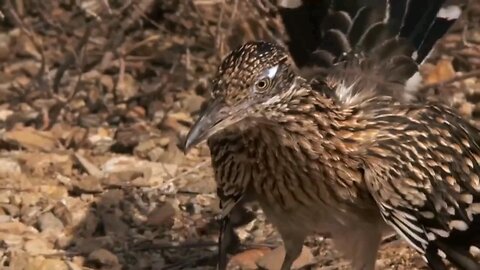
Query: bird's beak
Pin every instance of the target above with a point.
(210, 121)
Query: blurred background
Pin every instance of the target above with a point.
(95, 97)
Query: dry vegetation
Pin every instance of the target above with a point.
(95, 96)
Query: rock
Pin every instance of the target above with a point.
(153, 172)
(30, 198)
(127, 87)
(41, 164)
(136, 112)
(90, 244)
(88, 166)
(161, 215)
(88, 184)
(49, 222)
(31, 139)
(128, 137)
(248, 259)
(63, 213)
(11, 209)
(4, 218)
(38, 246)
(177, 122)
(103, 257)
(53, 192)
(5, 196)
(4, 46)
(20, 260)
(9, 167)
(156, 154)
(114, 224)
(193, 103)
(53, 264)
(4, 114)
(273, 260)
(122, 178)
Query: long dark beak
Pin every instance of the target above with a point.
(207, 124)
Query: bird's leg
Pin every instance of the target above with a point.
(293, 243)
(359, 243)
(227, 240)
(241, 215)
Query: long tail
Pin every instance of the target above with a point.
(321, 32)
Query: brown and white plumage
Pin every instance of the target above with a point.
(352, 150)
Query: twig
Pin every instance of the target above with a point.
(141, 43)
(38, 80)
(172, 179)
(232, 17)
(219, 38)
(106, 6)
(199, 244)
(465, 76)
(334, 267)
(142, 14)
(70, 59)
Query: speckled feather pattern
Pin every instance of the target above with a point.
(351, 154)
(321, 164)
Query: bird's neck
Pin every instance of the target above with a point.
(320, 123)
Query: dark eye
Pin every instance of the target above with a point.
(262, 84)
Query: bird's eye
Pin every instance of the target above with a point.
(262, 84)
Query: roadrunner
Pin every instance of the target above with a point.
(353, 152)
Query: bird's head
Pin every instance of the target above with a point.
(249, 83)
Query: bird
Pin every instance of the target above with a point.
(352, 152)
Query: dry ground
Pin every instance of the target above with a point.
(94, 98)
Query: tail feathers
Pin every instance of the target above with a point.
(362, 22)
(445, 18)
(339, 20)
(302, 20)
(456, 255)
(335, 42)
(461, 248)
(418, 18)
(319, 28)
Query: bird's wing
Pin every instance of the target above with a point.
(425, 179)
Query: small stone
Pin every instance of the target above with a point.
(193, 103)
(161, 215)
(247, 259)
(114, 224)
(38, 246)
(127, 87)
(156, 154)
(4, 218)
(31, 139)
(273, 260)
(49, 222)
(53, 264)
(5, 196)
(11, 209)
(122, 178)
(4, 46)
(30, 198)
(103, 257)
(9, 167)
(88, 184)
